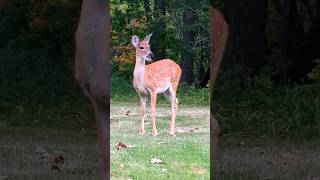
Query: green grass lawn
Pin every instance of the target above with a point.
(185, 156)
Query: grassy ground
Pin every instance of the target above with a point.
(27, 153)
(185, 156)
(268, 159)
(239, 157)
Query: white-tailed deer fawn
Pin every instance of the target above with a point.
(218, 39)
(92, 70)
(159, 77)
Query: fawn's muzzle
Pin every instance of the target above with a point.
(150, 55)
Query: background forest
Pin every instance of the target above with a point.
(269, 83)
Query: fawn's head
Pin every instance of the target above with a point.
(143, 51)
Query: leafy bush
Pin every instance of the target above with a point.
(266, 110)
(315, 74)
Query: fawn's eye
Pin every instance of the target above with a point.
(141, 47)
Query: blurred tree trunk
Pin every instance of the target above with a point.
(3, 3)
(292, 36)
(247, 21)
(158, 43)
(309, 52)
(189, 19)
(146, 5)
(203, 75)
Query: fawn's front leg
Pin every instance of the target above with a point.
(142, 111)
(153, 112)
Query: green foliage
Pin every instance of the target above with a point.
(182, 155)
(36, 72)
(129, 18)
(315, 74)
(267, 110)
(123, 91)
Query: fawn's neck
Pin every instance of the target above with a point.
(138, 73)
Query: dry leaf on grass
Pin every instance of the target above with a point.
(164, 170)
(194, 129)
(55, 167)
(198, 170)
(42, 152)
(156, 161)
(125, 111)
(57, 163)
(159, 143)
(58, 160)
(54, 160)
(186, 129)
(130, 146)
(121, 145)
(121, 166)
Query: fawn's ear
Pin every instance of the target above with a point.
(147, 38)
(135, 40)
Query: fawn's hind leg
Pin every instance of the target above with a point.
(171, 96)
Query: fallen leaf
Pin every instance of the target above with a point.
(41, 151)
(163, 142)
(198, 170)
(58, 160)
(120, 146)
(156, 161)
(163, 170)
(55, 167)
(121, 166)
(180, 130)
(194, 129)
(125, 111)
(130, 146)
(43, 154)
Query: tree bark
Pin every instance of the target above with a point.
(292, 36)
(3, 3)
(189, 18)
(158, 42)
(146, 4)
(309, 52)
(247, 22)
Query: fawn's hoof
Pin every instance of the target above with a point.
(154, 133)
(142, 132)
(171, 133)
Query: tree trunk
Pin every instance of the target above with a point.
(146, 4)
(308, 53)
(292, 36)
(3, 3)
(187, 59)
(158, 43)
(203, 75)
(247, 22)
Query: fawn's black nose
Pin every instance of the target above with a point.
(150, 55)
